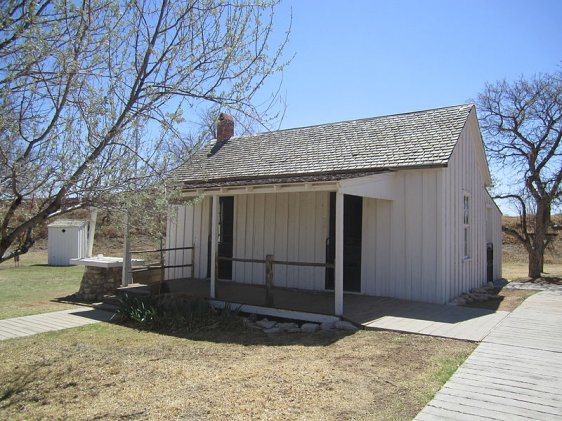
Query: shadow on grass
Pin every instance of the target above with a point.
(14, 387)
(543, 280)
(504, 299)
(491, 304)
(46, 265)
(195, 320)
(237, 334)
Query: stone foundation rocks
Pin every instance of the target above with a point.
(97, 282)
(270, 326)
(476, 294)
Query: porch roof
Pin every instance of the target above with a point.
(328, 152)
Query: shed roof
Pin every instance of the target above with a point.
(67, 223)
(328, 151)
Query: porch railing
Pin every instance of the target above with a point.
(160, 265)
(269, 263)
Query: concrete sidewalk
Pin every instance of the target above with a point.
(514, 374)
(48, 322)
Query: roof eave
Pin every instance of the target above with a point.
(300, 177)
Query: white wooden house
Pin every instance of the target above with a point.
(398, 204)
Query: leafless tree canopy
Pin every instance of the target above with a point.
(522, 123)
(92, 90)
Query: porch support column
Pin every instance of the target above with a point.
(214, 238)
(338, 269)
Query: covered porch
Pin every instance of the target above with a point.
(369, 312)
(307, 238)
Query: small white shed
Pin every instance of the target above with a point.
(68, 239)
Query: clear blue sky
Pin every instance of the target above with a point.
(356, 59)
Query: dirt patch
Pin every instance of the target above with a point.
(108, 371)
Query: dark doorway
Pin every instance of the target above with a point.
(226, 236)
(352, 237)
(490, 261)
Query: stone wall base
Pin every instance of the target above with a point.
(97, 282)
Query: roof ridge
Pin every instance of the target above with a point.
(469, 105)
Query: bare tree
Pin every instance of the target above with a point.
(78, 79)
(522, 122)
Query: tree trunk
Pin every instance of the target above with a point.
(536, 252)
(535, 264)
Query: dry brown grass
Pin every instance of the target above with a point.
(108, 371)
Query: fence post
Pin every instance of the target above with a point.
(162, 270)
(269, 280)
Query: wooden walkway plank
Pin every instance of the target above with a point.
(530, 372)
(499, 352)
(478, 407)
(530, 395)
(514, 374)
(48, 322)
(506, 402)
(472, 409)
(506, 376)
(16, 328)
(486, 382)
(437, 414)
(41, 324)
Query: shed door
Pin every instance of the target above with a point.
(226, 235)
(352, 238)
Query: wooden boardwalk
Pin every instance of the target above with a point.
(514, 374)
(48, 322)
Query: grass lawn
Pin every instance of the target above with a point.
(109, 371)
(31, 287)
(513, 270)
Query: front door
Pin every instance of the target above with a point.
(352, 237)
(226, 236)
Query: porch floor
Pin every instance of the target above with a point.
(371, 312)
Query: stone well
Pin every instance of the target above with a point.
(101, 277)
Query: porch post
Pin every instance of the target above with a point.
(338, 269)
(214, 217)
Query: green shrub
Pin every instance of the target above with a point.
(142, 310)
(167, 311)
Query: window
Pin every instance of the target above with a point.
(466, 226)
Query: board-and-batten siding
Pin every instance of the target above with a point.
(188, 225)
(413, 246)
(463, 175)
(400, 239)
(291, 227)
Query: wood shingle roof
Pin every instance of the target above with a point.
(328, 151)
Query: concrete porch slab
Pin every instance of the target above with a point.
(371, 312)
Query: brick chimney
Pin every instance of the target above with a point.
(225, 127)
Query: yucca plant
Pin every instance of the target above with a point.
(167, 312)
